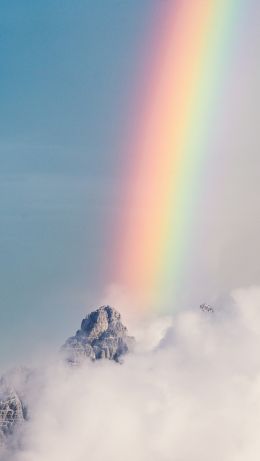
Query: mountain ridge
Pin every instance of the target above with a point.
(102, 335)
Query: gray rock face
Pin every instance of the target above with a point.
(102, 335)
(206, 308)
(12, 411)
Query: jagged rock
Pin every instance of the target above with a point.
(102, 335)
(206, 308)
(12, 410)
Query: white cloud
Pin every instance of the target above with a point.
(190, 393)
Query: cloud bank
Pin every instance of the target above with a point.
(189, 392)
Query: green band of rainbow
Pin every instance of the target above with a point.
(172, 143)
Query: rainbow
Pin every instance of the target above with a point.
(177, 103)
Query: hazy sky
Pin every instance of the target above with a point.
(67, 72)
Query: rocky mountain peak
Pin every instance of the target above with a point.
(12, 411)
(206, 308)
(102, 335)
(101, 321)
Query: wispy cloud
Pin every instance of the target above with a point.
(194, 395)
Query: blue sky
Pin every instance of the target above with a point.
(66, 72)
